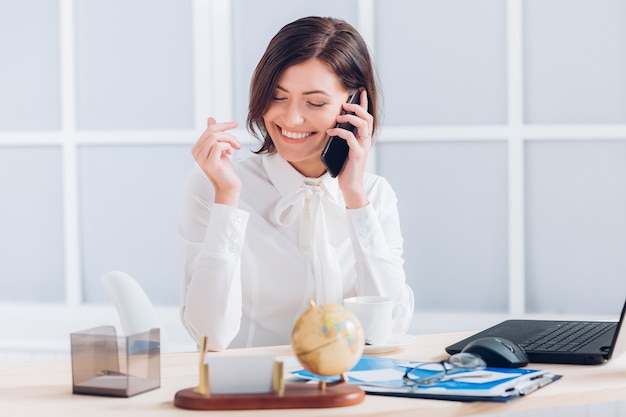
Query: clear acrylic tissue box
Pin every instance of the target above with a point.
(117, 366)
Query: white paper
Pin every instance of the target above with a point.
(240, 374)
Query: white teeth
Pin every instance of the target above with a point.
(294, 135)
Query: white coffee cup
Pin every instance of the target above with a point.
(378, 316)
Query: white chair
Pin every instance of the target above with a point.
(134, 308)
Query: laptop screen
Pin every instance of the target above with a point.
(619, 338)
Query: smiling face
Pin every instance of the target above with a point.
(306, 102)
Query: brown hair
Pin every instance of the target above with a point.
(333, 41)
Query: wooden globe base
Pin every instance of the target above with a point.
(296, 395)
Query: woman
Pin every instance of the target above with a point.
(263, 236)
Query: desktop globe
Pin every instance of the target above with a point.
(327, 339)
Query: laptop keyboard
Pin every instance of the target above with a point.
(567, 337)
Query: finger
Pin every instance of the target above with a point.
(203, 148)
(220, 127)
(361, 124)
(230, 140)
(219, 153)
(361, 107)
(360, 110)
(213, 130)
(363, 102)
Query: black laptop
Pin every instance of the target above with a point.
(551, 341)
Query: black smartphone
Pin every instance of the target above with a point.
(336, 150)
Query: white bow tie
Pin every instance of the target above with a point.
(311, 201)
(291, 204)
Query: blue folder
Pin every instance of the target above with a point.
(383, 376)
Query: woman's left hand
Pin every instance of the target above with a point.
(360, 142)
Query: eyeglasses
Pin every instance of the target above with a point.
(430, 373)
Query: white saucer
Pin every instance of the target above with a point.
(394, 343)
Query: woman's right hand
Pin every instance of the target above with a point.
(212, 153)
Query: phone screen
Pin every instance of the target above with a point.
(336, 150)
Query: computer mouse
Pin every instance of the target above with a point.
(498, 352)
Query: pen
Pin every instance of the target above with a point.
(533, 384)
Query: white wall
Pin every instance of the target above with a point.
(504, 137)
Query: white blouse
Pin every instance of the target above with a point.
(249, 272)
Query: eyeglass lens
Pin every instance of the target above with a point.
(455, 363)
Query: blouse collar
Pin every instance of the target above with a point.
(286, 178)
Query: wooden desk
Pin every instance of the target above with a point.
(45, 389)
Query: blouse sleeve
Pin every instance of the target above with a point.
(211, 237)
(379, 251)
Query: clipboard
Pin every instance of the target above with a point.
(383, 376)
